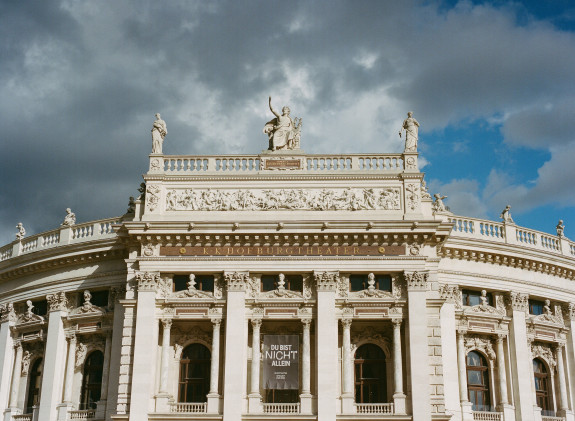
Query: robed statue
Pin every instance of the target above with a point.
(411, 127)
(282, 131)
(159, 132)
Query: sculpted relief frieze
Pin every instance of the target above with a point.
(283, 199)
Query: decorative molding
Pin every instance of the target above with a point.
(29, 317)
(194, 334)
(7, 313)
(370, 335)
(517, 301)
(543, 351)
(480, 343)
(57, 302)
(283, 199)
(413, 196)
(451, 294)
(87, 308)
(149, 250)
(327, 281)
(238, 281)
(152, 196)
(548, 316)
(416, 281)
(148, 281)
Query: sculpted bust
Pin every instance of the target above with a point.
(159, 132)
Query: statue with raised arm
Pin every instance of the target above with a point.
(438, 205)
(159, 132)
(506, 215)
(560, 228)
(70, 218)
(411, 127)
(281, 131)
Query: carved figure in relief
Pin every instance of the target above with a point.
(411, 127)
(560, 228)
(506, 215)
(438, 205)
(21, 231)
(282, 132)
(159, 132)
(69, 219)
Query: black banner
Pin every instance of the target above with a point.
(281, 362)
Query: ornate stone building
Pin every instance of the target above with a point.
(396, 309)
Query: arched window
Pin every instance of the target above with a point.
(34, 383)
(370, 376)
(92, 380)
(478, 381)
(194, 382)
(542, 387)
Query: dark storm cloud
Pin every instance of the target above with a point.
(81, 82)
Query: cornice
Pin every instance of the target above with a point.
(503, 259)
(276, 176)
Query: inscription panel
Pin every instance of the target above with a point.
(285, 251)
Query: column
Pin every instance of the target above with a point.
(503, 398)
(54, 359)
(103, 403)
(66, 404)
(163, 397)
(398, 395)
(6, 352)
(214, 396)
(563, 402)
(235, 342)
(466, 406)
(326, 345)
(115, 352)
(143, 360)
(418, 358)
(305, 397)
(255, 398)
(521, 363)
(16, 374)
(347, 398)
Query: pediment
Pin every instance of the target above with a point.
(29, 318)
(86, 310)
(484, 310)
(192, 293)
(280, 293)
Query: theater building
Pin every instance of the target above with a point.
(288, 286)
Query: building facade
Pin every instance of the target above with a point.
(373, 299)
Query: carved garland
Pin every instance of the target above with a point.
(190, 336)
(480, 343)
(543, 351)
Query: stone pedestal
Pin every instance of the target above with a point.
(255, 405)
(399, 404)
(347, 403)
(305, 403)
(63, 410)
(508, 412)
(567, 414)
(537, 414)
(162, 402)
(466, 411)
(214, 400)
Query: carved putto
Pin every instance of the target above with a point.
(282, 131)
(69, 219)
(159, 132)
(283, 199)
(21, 231)
(438, 205)
(411, 127)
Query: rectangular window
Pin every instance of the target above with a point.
(536, 307)
(473, 297)
(40, 307)
(360, 281)
(99, 298)
(291, 282)
(203, 282)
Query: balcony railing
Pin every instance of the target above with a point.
(79, 233)
(189, 407)
(487, 416)
(85, 414)
(22, 417)
(281, 408)
(552, 418)
(374, 408)
(498, 232)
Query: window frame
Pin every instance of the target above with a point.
(90, 392)
(365, 285)
(466, 293)
(483, 388)
(203, 382)
(363, 385)
(543, 396)
(33, 393)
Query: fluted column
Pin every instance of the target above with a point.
(347, 367)
(504, 400)
(167, 325)
(16, 375)
(563, 403)
(398, 395)
(255, 374)
(70, 360)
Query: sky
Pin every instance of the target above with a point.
(492, 85)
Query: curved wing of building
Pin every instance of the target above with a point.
(288, 286)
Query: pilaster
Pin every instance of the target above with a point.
(419, 361)
(115, 356)
(235, 344)
(7, 319)
(452, 297)
(326, 345)
(521, 365)
(53, 375)
(347, 397)
(144, 346)
(306, 396)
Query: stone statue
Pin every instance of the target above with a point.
(438, 205)
(142, 190)
(483, 298)
(192, 282)
(281, 281)
(159, 132)
(506, 215)
(69, 219)
(411, 127)
(131, 205)
(282, 131)
(560, 228)
(29, 312)
(371, 282)
(21, 231)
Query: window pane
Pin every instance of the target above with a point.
(269, 282)
(358, 282)
(474, 377)
(205, 282)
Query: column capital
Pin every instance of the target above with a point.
(147, 281)
(559, 346)
(501, 337)
(167, 323)
(518, 301)
(461, 332)
(346, 323)
(57, 302)
(326, 280)
(17, 344)
(416, 281)
(71, 337)
(306, 322)
(451, 294)
(396, 322)
(7, 313)
(256, 323)
(216, 321)
(237, 281)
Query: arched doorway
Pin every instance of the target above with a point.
(92, 380)
(194, 384)
(370, 375)
(478, 381)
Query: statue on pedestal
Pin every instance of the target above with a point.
(69, 219)
(506, 215)
(282, 131)
(21, 231)
(560, 229)
(438, 205)
(411, 127)
(159, 132)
